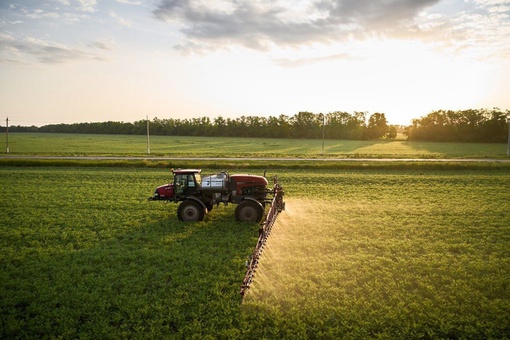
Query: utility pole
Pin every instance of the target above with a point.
(148, 142)
(508, 147)
(7, 133)
(323, 126)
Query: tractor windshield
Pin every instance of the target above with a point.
(188, 180)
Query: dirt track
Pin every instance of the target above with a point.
(149, 158)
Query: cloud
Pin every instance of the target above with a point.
(23, 14)
(87, 5)
(130, 2)
(480, 27)
(245, 23)
(39, 13)
(81, 5)
(16, 50)
(63, 2)
(119, 19)
(35, 42)
(375, 15)
(102, 44)
(262, 24)
(481, 31)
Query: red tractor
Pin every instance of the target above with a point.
(198, 195)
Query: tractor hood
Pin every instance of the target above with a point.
(163, 192)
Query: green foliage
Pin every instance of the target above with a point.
(84, 254)
(339, 125)
(412, 253)
(441, 126)
(461, 126)
(392, 132)
(342, 125)
(377, 126)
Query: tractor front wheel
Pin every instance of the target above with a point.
(190, 211)
(248, 211)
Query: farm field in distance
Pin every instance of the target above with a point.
(359, 253)
(178, 146)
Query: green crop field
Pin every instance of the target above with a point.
(83, 144)
(359, 253)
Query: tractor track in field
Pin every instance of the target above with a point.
(149, 158)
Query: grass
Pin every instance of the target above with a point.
(359, 253)
(84, 254)
(172, 146)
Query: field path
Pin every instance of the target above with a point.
(148, 158)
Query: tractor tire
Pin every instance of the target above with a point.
(248, 211)
(190, 211)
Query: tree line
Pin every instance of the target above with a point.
(335, 125)
(480, 125)
(461, 126)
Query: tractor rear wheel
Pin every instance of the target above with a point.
(248, 211)
(190, 211)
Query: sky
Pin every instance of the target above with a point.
(69, 61)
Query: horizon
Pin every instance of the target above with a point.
(73, 61)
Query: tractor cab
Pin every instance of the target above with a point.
(186, 181)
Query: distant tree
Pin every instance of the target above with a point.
(356, 125)
(272, 129)
(285, 126)
(337, 125)
(495, 127)
(392, 132)
(306, 125)
(377, 126)
(219, 126)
